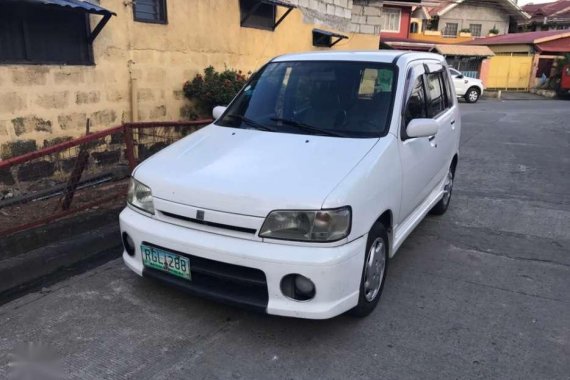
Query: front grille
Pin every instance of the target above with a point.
(228, 283)
(210, 224)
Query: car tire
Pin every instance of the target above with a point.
(472, 95)
(373, 272)
(441, 207)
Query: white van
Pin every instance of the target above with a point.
(293, 200)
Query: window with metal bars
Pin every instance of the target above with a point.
(475, 30)
(153, 11)
(450, 29)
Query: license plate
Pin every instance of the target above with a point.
(165, 261)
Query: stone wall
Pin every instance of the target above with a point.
(140, 68)
(366, 17)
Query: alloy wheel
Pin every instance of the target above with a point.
(374, 269)
(448, 187)
(473, 96)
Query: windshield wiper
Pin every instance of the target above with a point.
(251, 123)
(307, 127)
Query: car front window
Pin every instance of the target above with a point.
(344, 99)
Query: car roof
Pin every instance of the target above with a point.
(382, 56)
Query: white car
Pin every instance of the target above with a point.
(470, 89)
(292, 201)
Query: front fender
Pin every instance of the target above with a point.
(371, 188)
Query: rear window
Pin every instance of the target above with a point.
(348, 99)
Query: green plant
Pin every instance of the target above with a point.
(213, 88)
(465, 30)
(554, 80)
(494, 30)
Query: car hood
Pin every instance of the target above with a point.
(251, 172)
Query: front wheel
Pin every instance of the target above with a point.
(472, 95)
(374, 271)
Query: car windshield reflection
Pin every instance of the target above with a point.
(339, 99)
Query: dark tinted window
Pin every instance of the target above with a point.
(349, 99)
(416, 107)
(436, 94)
(37, 34)
(254, 14)
(450, 100)
(150, 11)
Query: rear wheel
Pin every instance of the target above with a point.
(441, 207)
(472, 95)
(374, 271)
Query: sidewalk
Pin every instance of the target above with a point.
(30, 257)
(508, 95)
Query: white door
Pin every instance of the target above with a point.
(442, 107)
(419, 156)
(459, 82)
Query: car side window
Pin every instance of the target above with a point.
(450, 100)
(416, 106)
(436, 94)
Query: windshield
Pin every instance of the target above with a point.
(343, 99)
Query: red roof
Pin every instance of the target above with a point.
(547, 9)
(528, 38)
(510, 7)
(442, 5)
(561, 45)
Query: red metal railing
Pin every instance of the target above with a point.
(87, 173)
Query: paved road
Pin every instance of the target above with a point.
(483, 292)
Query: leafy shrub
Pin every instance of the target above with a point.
(465, 30)
(213, 88)
(494, 30)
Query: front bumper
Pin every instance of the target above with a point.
(335, 271)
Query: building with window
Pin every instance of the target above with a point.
(554, 15)
(462, 20)
(524, 60)
(63, 62)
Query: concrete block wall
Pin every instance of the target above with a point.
(366, 17)
(38, 102)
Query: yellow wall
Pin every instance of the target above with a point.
(149, 62)
(438, 38)
(508, 49)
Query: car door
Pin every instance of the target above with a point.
(441, 106)
(458, 82)
(419, 156)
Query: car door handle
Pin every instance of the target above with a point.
(431, 138)
(452, 122)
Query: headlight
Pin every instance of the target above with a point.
(140, 196)
(316, 226)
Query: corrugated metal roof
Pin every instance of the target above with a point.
(508, 6)
(464, 50)
(561, 45)
(72, 4)
(528, 38)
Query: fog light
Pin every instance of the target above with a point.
(298, 287)
(129, 244)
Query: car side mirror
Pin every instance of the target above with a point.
(422, 128)
(460, 76)
(218, 111)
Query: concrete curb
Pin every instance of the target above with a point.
(18, 272)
